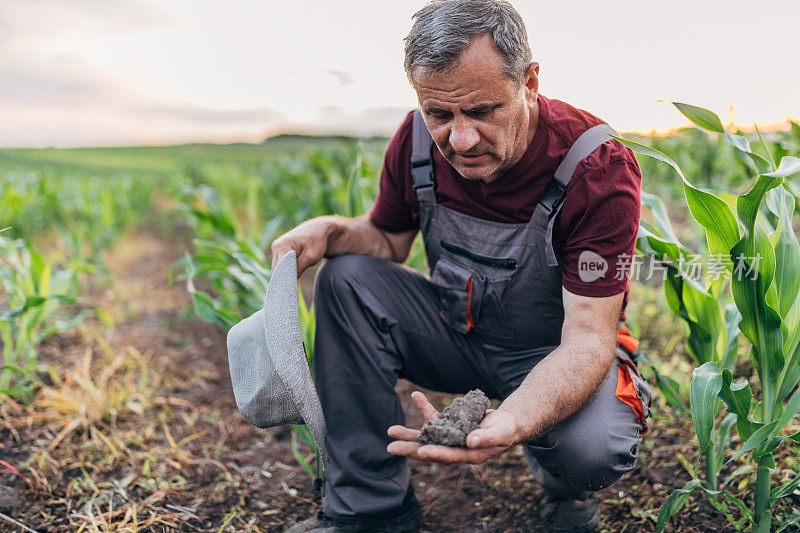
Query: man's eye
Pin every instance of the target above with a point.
(478, 113)
(439, 114)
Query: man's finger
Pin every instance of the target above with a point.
(277, 253)
(428, 410)
(402, 447)
(447, 454)
(403, 433)
(488, 438)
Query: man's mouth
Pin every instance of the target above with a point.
(471, 159)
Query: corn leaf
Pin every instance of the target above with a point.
(706, 385)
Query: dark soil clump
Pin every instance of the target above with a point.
(458, 420)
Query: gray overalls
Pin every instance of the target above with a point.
(490, 312)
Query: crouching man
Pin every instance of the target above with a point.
(528, 209)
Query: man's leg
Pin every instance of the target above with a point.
(591, 449)
(594, 447)
(377, 321)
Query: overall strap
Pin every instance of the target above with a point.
(552, 198)
(422, 159)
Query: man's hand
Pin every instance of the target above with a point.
(309, 240)
(495, 434)
(332, 235)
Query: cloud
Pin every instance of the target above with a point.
(34, 86)
(34, 21)
(75, 104)
(342, 78)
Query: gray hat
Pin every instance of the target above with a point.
(269, 370)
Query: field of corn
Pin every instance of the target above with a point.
(121, 269)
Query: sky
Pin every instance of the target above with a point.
(125, 72)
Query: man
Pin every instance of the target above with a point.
(505, 215)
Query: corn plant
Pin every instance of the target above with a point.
(230, 262)
(34, 290)
(766, 298)
(711, 322)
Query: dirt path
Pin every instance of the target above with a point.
(169, 448)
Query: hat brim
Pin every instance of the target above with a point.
(285, 346)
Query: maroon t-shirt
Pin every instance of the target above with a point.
(600, 212)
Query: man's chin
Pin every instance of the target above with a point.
(473, 173)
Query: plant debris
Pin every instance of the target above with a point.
(458, 420)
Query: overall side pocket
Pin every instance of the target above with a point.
(460, 294)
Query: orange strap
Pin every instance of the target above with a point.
(627, 393)
(470, 323)
(627, 340)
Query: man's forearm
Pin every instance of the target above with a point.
(558, 386)
(359, 236)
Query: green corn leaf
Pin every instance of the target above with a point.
(787, 253)
(16, 369)
(756, 439)
(660, 216)
(790, 374)
(671, 391)
(29, 303)
(765, 146)
(786, 489)
(747, 515)
(755, 295)
(700, 117)
(788, 166)
(675, 503)
(706, 385)
(724, 435)
(298, 456)
(792, 521)
(708, 120)
(740, 471)
(704, 311)
(732, 318)
(206, 309)
(789, 412)
(737, 396)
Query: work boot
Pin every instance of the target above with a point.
(408, 520)
(562, 515)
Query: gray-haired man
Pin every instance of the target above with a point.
(526, 208)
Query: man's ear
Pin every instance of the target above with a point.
(531, 81)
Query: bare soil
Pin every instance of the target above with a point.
(177, 456)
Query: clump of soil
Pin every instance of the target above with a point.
(458, 420)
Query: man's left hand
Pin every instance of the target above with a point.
(495, 434)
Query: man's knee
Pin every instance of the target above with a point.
(338, 272)
(590, 460)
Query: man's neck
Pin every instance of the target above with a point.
(534, 123)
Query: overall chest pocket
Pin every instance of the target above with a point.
(474, 297)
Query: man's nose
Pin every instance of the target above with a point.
(463, 136)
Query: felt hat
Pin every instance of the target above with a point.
(269, 370)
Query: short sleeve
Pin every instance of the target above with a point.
(598, 226)
(392, 211)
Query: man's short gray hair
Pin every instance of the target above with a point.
(443, 29)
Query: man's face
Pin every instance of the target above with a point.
(481, 121)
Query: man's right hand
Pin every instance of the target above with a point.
(309, 240)
(331, 235)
